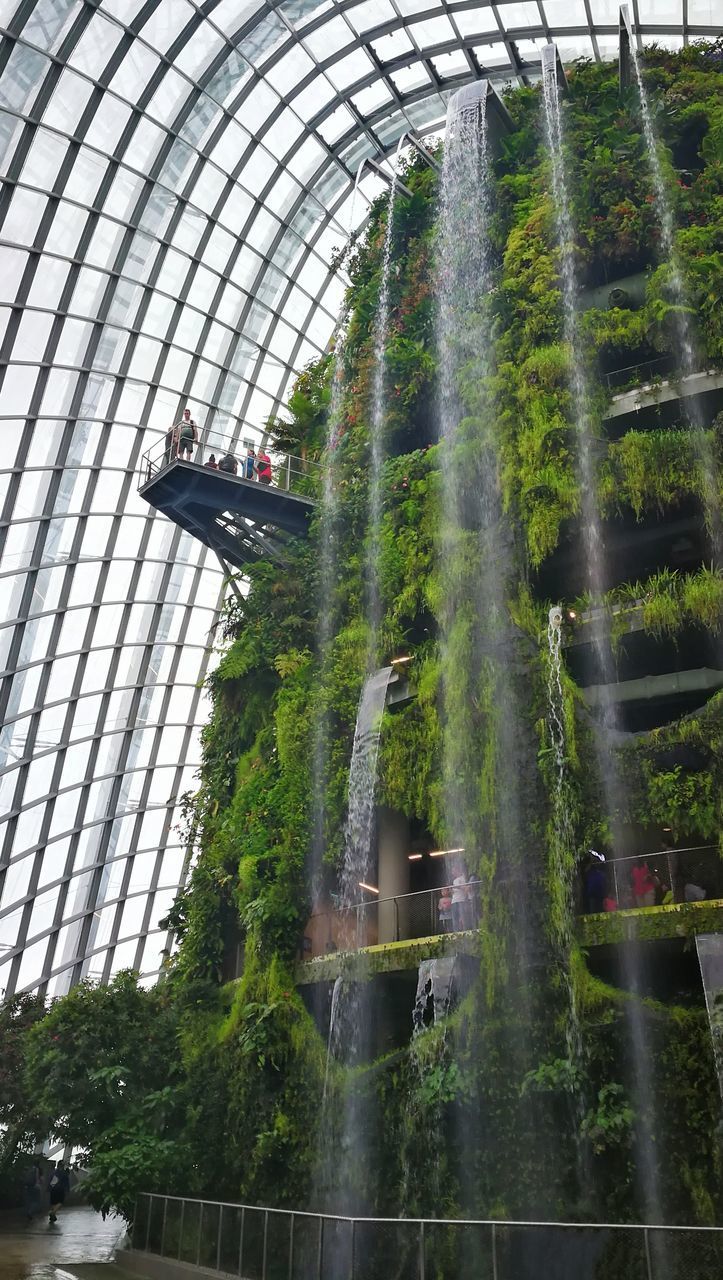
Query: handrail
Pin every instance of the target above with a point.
(260, 1242)
(287, 470)
(435, 1222)
(419, 893)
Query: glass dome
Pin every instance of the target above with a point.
(176, 180)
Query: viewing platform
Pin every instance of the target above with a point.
(242, 515)
(654, 398)
(396, 933)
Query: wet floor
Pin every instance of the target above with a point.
(38, 1251)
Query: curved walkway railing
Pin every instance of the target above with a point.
(282, 1244)
(407, 916)
(283, 470)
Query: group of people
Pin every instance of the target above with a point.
(645, 887)
(182, 439)
(255, 466)
(459, 903)
(46, 1189)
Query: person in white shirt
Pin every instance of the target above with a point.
(459, 901)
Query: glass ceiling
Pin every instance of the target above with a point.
(176, 178)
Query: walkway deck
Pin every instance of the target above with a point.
(238, 519)
(38, 1251)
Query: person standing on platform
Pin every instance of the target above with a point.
(263, 466)
(187, 436)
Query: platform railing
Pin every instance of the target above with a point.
(407, 916)
(259, 1243)
(287, 471)
(638, 374)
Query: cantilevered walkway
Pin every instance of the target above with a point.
(241, 518)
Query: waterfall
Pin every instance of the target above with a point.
(378, 413)
(710, 959)
(326, 611)
(434, 983)
(685, 342)
(642, 1073)
(492, 792)
(359, 832)
(332, 1036)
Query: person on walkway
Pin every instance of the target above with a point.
(187, 435)
(595, 887)
(444, 910)
(263, 466)
(229, 464)
(250, 463)
(459, 901)
(643, 884)
(33, 1191)
(212, 463)
(694, 892)
(58, 1186)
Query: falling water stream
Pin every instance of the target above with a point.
(685, 342)
(326, 609)
(604, 729)
(350, 1021)
(378, 413)
(488, 755)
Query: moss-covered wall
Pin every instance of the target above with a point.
(252, 815)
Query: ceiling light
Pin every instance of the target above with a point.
(442, 853)
(409, 657)
(415, 857)
(370, 887)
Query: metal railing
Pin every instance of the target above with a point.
(287, 471)
(638, 374)
(407, 916)
(257, 1243)
(395, 919)
(673, 869)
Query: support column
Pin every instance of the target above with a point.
(393, 875)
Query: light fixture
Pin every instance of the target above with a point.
(667, 828)
(370, 887)
(414, 857)
(442, 853)
(571, 613)
(409, 657)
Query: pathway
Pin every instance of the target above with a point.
(38, 1251)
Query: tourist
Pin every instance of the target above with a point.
(459, 901)
(33, 1192)
(444, 909)
(643, 884)
(263, 466)
(610, 903)
(58, 1186)
(229, 464)
(693, 892)
(595, 886)
(212, 463)
(250, 463)
(187, 435)
(473, 900)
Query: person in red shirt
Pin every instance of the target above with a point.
(643, 884)
(263, 466)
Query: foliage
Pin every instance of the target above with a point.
(18, 1102)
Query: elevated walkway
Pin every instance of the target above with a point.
(657, 403)
(240, 518)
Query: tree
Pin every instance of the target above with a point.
(18, 1116)
(104, 1074)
